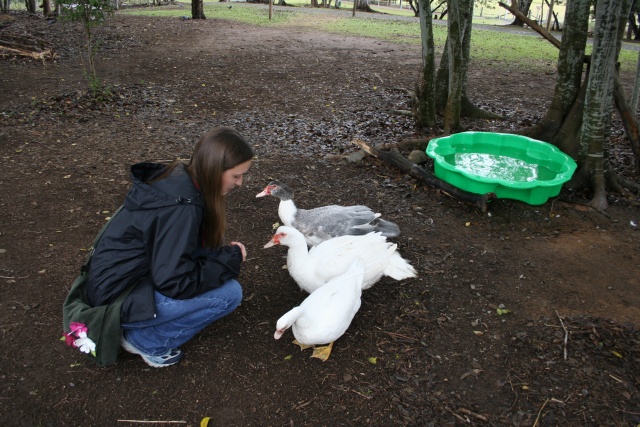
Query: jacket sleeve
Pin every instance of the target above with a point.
(178, 268)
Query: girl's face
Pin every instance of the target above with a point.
(232, 178)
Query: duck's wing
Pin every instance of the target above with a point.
(326, 222)
(334, 256)
(328, 312)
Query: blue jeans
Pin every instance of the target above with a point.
(179, 320)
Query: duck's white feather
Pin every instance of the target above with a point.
(313, 268)
(325, 315)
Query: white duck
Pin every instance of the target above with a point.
(326, 222)
(312, 268)
(325, 315)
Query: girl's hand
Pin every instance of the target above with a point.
(242, 248)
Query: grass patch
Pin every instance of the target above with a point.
(501, 49)
(244, 13)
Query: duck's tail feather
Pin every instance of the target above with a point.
(399, 268)
(386, 228)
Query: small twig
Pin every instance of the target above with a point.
(395, 335)
(302, 405)
(540, 412)
(151, 422)
(473, 414)
(566, 335)
(617, 379)
(353, 391)
(458, 416)
(61, 402)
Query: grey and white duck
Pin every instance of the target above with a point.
(326, 222)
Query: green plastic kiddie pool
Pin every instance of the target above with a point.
(511, 166)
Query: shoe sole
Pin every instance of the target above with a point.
(131, 349)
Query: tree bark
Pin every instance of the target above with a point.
(598, 99)
(454, 49)
(467, 107)
(425, 92)
(570, 68)
(628, 121)
(31, 6)
(197, 9)
(633, 104)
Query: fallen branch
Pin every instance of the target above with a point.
(396, 159)
(408, 144)
(457, 416)
(42, 56)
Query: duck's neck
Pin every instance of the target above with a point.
(289, 318)
(287, 211)
(298, 259)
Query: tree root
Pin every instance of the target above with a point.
(472, 111)
(396, 159)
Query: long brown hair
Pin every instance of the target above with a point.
(217, 151)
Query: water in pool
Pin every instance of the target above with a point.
(504, 168)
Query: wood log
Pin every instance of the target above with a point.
(408, 144)
(42, 56)
(396, 159)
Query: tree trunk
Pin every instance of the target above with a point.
(425, 110)
(456, 30)
(570, 68)
(583, 131)
(467, 108)
(523, 6)
(628, 120)
(197, 9)
(598, 102)
(31, 6)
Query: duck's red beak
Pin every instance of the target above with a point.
(266, 191)
(275, 240)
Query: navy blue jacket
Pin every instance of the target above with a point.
(156, 242)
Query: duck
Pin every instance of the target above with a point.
(313, 268)
(325, 222)
(325, 315)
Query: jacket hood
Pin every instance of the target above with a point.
(177, 188)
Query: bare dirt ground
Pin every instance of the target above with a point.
(567, 355)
